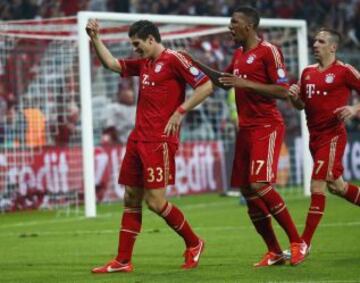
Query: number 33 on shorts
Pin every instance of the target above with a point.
(155, 174)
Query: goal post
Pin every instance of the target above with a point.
(60, 108)
(84, 55)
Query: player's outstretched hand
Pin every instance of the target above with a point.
(92, 28)
(230, 80)
(294, 91)
(173, 125)
(345, 113)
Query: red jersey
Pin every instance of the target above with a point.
(263, 64)
(161, 92)
(324, 91)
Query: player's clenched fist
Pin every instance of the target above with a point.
(294, 91)
(92, 28)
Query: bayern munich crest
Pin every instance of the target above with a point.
(158, 67)
(329, 79)
(251, 59)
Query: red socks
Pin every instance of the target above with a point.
(352, 194)
(278, 209)
(130, 228)
(261, 218)
(314, 216)
(176, 220)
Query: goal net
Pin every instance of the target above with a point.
(66, 119)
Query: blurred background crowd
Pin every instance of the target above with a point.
(343, 15)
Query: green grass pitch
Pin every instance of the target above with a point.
(48, 247)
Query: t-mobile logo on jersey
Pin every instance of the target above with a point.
(310, 90)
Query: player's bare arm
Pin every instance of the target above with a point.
(293, 94)
(200, 94)
(213, 74)
(104, 55)
(347, 112)
(268, 90)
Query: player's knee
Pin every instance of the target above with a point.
(132, 198)
(317, 190)
(154, 204)
(256, 186)
(335, 189)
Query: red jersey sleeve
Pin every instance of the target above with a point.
(274, 64)
(130, 67)
(185, 69)
(352, 78)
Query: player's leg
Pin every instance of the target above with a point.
(175, 218)
(264, 156)
(131, 177)
(334, 169)
(264, 152)
(261, 219)
(316, 210)
(130, 228)
(159, 171)
(257, 210)
(327, 152)
(346, 190)
(130, 223)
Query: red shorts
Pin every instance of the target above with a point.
(327, 150)
(256, 155)
(148, 165)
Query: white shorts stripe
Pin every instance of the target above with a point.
(329, 174)
(166, 163)
(270, 159)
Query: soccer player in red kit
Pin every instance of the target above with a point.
(258, 74)
(323, 91)
(149, 162)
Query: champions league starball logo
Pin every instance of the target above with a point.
(282, 78)
(281, 73)
(194, 71)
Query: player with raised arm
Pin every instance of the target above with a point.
(258, 74)
(149, 162)
(323, 91)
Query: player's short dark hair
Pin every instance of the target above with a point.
(142, 29)
(251, 13)
(334, 34)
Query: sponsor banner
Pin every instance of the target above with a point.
(53, 176)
